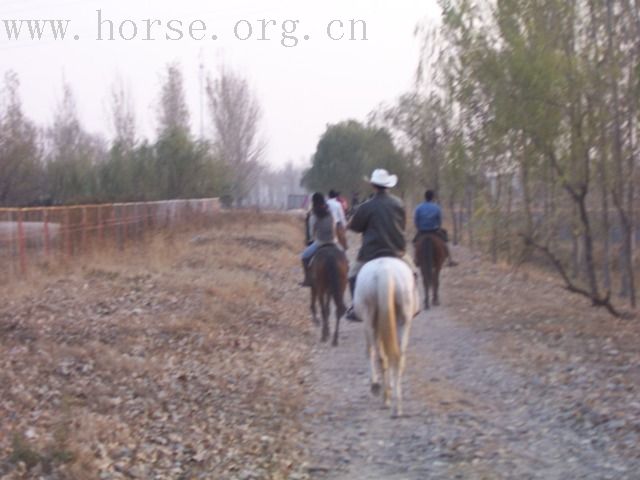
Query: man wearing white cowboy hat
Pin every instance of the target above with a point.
(381, 221)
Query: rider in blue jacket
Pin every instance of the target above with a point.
(428, 219)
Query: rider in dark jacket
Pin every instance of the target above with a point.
(382, 221)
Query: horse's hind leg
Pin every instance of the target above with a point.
(436, 288)
(314, 315)
(395, 375)
(404, 327)
(324, 308)
(339, 312)
(372, 355)
(425, 282)
(386, 379)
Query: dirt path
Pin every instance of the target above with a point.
(136, 366)
(469, 413)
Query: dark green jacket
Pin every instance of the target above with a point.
(381, 221)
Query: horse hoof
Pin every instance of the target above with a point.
(334, 343)
(376, 389)
(397, 414)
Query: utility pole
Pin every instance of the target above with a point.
(201, 96)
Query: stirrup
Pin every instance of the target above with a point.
(351, 315)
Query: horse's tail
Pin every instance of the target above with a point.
(336, 283)
(386, 318)
(428, 254)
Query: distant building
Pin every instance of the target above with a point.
(279, 190)
(297, 202)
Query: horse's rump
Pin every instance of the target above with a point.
(335, 265)
(328, 270)
(329, 253)
(385, 299)
(430, 242)
(431, 252)
(384, 295)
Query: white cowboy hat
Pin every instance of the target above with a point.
(381, 178)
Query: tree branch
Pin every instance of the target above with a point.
(597, 301)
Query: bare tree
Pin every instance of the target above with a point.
(173, 111)
(20, 153)
(72, 154)
(120, 177)
(236, 116)
(123, 117)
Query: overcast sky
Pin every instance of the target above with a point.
(301, 88)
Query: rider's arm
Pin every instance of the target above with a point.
(312, 227)
(343, 218)
(358, 222)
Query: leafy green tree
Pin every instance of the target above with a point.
(349, 151)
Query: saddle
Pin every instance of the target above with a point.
(440, 233)
(321, 247)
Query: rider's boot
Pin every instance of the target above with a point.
(351, 314)
(307, 277)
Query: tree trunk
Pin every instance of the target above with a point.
(606, 225)
(470, 193)
(619, 196)
(507, 226)
(575, 246)
(495, 219)
(590, 265)
(454, 222)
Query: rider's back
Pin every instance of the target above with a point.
(382, 221)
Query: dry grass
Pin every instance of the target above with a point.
(163, 361)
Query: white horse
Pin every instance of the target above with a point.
(386, 299)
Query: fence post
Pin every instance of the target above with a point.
(84, 230)
(117, 224)
(139, 222)
(145, 219)
(67, 232)
(126, 223)
(46, 232)
(21, 244)
(100, 227)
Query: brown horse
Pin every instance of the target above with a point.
(328, 271)
(431, 252)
